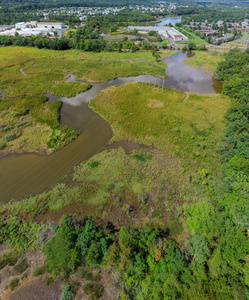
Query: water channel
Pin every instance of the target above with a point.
(26, 174)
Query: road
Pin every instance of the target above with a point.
(210, 47)
(245, 41)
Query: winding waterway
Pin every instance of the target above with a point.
(26, 174)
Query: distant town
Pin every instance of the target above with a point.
(220, 31)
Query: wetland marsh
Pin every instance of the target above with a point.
(26, 174)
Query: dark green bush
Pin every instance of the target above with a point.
(67, 293)
(39, 271)
(94, 164)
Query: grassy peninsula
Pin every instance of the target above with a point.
(205, 61)
(183, 126)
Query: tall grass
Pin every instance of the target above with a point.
(187, 129)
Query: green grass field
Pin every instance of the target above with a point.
(191, 36)
(188, 129)
(205, 60)
(87, 66)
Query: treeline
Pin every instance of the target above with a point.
(233, 71)
(39, 42)
(122, 18)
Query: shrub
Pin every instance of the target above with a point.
(38, 271)
(14, 283)
(66, 294)
(94, 164)
(143, 198)
(2, 146)
(94, 290)
(22, 266)
(84, 273)
(9, 259)
(12, 136)
(62, 253)
(49, 281)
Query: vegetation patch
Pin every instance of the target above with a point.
(21, 266)
(205, 61)
(69, 89)
(142, 185)
(14, 283)
(189, 130)
(94, 290)
(193, 38)
(154, 104)
(30, 124)
(38, 271)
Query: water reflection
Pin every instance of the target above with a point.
(188, 79)
(170, 20)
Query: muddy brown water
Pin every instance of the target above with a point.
(29, 174)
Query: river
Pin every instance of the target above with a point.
(26, 174)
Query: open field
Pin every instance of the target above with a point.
(82, 64)
(188, 129)
(205, 61)
(69, 32)
(118, 37)
(29, 73)
(165, 54)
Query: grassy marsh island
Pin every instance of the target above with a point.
(184, 126)
(205, 61)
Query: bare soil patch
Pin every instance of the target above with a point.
(155, 104)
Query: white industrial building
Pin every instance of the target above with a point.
(163, 31)
(51, 25)
(32, 28)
